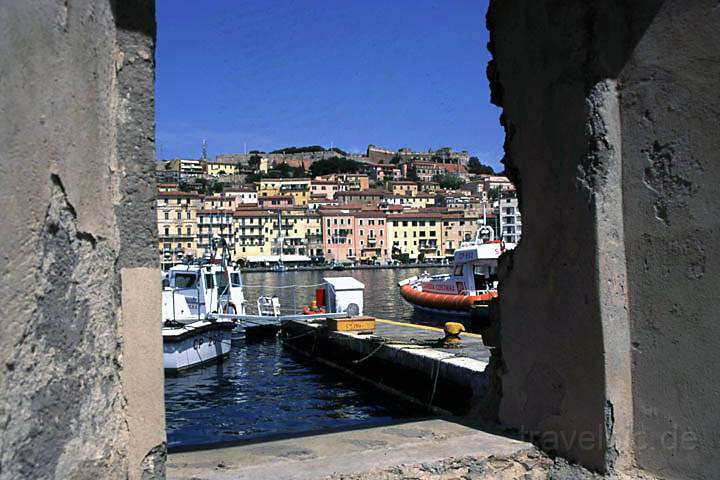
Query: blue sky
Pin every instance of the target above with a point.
(271, 73)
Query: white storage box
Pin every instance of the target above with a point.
(344, 294)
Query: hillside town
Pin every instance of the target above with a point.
(312, 205)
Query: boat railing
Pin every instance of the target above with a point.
(293, 290)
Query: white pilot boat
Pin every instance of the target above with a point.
(467, 291)
(193, 298)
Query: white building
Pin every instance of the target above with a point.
(242, 195)
(510, 219)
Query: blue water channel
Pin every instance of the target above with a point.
(262, 390)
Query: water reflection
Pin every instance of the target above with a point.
(262, 390)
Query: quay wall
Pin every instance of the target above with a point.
(608, 306)
(80, 363)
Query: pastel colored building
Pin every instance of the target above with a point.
(416, 233)
(275, 201)
(176, 222)
(403, 187)
(220, 168)
(298, 188)
(328, 188)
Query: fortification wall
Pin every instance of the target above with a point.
(607, 306)
(77, 231)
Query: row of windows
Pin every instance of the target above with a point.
(415, 244)
(415, 223)
(176, 201)
(178, 230)
(178, 215)
(431, 233)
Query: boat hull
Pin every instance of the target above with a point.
(196, 344)
(447, 305)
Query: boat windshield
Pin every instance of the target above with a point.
(479, 277)
(221, 281)
(185, 280)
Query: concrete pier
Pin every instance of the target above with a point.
(342, 453)
(402, 359)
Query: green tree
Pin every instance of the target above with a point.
(474, 166)
(334, 165)
(448, 180)
(308, 149)
(254, 161)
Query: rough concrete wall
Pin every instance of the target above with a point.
(63, 408)
(565, 335)
(671, 139)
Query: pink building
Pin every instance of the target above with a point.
(338, 229)
(353, 234)
(325, 187)
(275, 201)
(371, 235)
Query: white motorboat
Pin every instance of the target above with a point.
(193, 297)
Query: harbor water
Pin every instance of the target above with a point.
(262, 390)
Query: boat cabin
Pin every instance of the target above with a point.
(190, 292)
(474, 267)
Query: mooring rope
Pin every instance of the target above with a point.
(305, 334)
(437, 374)
(382, 344)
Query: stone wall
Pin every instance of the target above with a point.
(671, 189)
(76, 156)
(607, 304)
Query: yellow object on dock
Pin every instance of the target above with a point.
(354, 324)
(452, 332)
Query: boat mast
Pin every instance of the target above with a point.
(280, 235)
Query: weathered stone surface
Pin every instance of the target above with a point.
(607, 306)
(671, 190)
(63, 408)
(528, 465)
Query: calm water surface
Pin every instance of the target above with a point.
(263, 390)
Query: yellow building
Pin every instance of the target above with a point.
(219, 202)
(257, 232)
(211, 223)
(176, 222)
(298, 188)
(459, 226)
(220, 168)
(253, 235)
(413, 234)
(401, 187)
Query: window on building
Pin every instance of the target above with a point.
(167, 231)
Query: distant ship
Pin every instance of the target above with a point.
(467, 291)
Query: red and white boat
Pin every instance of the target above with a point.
(468, 290)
